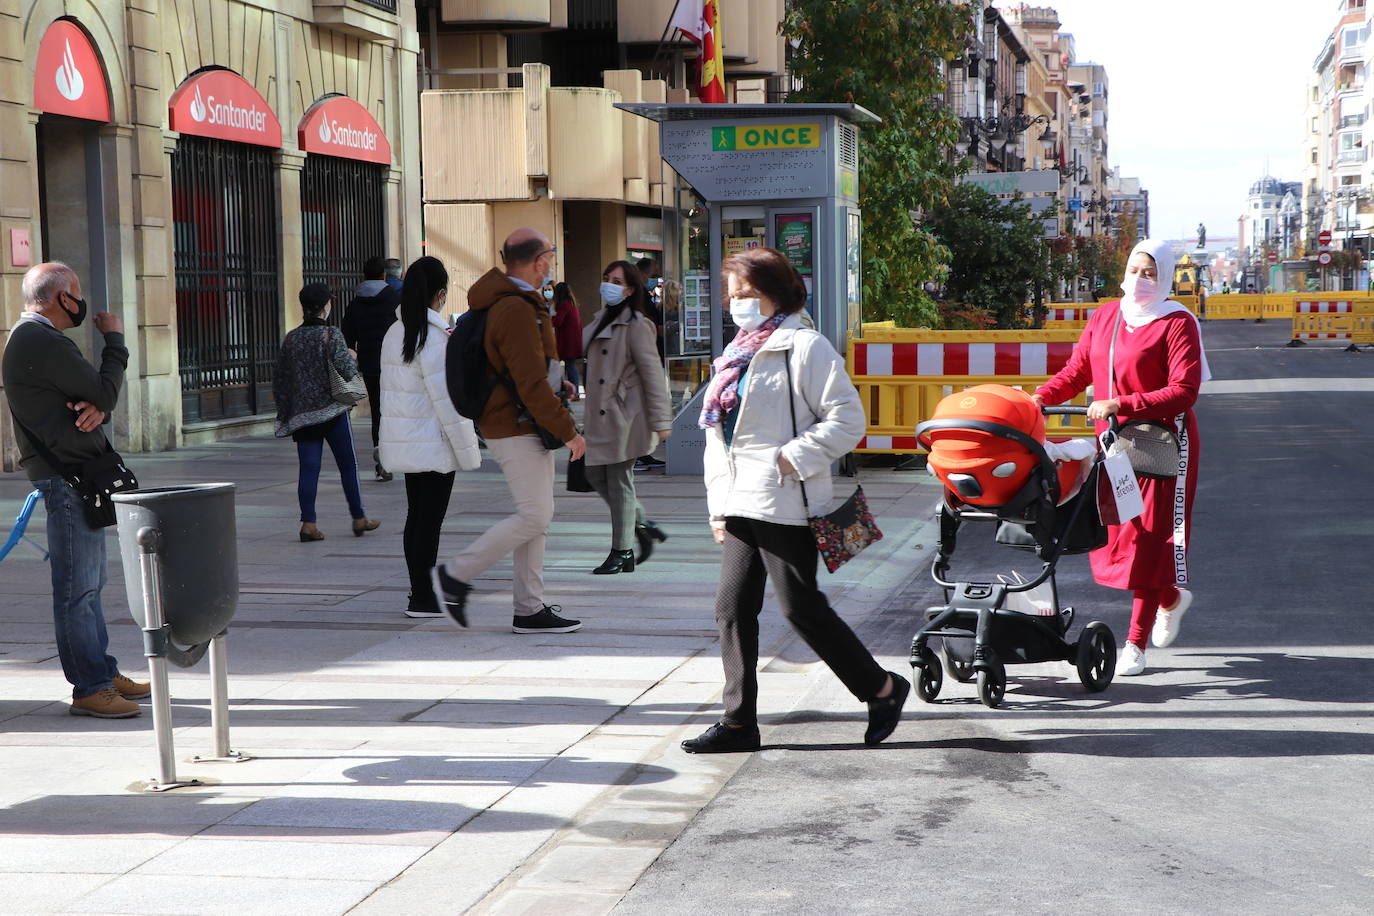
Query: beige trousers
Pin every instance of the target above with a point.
(528, 469)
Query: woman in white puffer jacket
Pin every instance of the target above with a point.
(779, 409)
(422, 435)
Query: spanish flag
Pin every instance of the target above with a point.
(699, 21)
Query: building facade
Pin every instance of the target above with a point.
(197, 163)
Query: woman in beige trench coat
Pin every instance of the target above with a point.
(628, 409)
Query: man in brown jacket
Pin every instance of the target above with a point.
(518, 339)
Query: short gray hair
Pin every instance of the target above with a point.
(44, 281)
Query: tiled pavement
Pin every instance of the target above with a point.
(398, 765)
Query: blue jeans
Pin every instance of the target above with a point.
(339, 435)
(76, 556)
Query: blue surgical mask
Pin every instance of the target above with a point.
(746, 314)
(548, 295)
(613, 293)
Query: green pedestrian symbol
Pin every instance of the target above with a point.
(722, 138)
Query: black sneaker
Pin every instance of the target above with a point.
(647, 463)
(546, 620)
(723, 739)
(384, 475)
(451, 595)
(422, 613)
(885, 712)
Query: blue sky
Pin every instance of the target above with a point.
(1202, 93)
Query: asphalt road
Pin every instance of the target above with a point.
(1234, 777)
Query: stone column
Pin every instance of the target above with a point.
(292, 241)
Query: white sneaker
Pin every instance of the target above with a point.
(1167, 622)
(1131, 661)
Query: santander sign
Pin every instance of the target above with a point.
(339, 126)
(225, 106)
(69, 79)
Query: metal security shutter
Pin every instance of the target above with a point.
(343, 223)
(224, 203)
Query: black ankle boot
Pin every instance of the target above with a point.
(646, 534)
(617, 561)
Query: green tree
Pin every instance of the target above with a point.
(998, 256)
(888, 56)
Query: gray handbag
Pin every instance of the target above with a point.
(347, 391)
(1152, 446)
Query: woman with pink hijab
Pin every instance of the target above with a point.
(1143, 357)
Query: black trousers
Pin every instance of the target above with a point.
(754, 552)
(372, 381)
(427, 495)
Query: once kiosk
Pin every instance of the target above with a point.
(785, 176)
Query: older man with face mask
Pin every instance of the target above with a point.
(58, 401)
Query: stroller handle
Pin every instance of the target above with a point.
(1069, 409)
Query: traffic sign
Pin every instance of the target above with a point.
(1273, 257)
(1324, 258)
(1324, 237)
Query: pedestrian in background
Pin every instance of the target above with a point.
(58, 402)
(308, 413)
(648, 269)
(779, 409)
(393, 273)
(628, 410)
(1143, 356)
(519, 345)
(423, 437)
(567, 332)
(365, 323)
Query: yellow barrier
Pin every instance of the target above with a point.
(1326, 316)
(901, 374)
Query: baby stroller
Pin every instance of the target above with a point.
(987, 446)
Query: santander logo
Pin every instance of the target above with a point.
(70, 83)
(198, 106)
(347, 135)
(339, 126)
(326, 135)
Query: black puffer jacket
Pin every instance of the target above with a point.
(366, 320)
(301, 382)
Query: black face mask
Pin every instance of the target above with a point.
(79, 315)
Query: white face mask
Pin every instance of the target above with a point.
(1139, 290)
(613, 293)
(746, 313)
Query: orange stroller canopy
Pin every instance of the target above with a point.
(982, 467)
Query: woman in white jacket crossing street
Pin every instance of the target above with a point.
(779, 409)
(422, 435)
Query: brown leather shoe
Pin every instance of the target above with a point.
(105, 703)
(130, 689)
(363, 525)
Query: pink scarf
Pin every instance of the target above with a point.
(722, 395)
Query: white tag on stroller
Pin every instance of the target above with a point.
(1118, 491)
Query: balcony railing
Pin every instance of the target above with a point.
(1353, 155)
(388, 5)
(1352, 121)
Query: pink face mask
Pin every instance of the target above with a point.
(1139, 290)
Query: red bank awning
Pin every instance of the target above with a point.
(225, 106)
(69, 79)
(339, 126)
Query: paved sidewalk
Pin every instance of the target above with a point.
(399, 765)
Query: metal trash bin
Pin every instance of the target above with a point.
(181, 572)
(200, 567)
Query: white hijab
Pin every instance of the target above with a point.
(1138, 313)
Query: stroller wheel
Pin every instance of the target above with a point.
(992, 683)
(1095, 656)
(961, 671)
(929, 677)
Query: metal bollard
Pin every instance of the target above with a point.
(219, 705)
(155, 635)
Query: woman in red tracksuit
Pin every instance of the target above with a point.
(1159, 369)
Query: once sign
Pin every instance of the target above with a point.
(766, 136)
(223, 105)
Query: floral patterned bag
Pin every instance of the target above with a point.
(847, 529)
